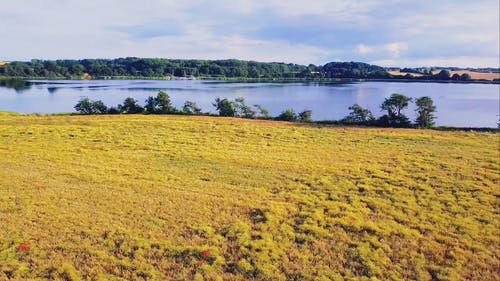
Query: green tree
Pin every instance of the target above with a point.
(160, 104)
(77, 69)
(425, 112)
(130, 106)
(113, 110)
(305, 116)
(225, 107)
(465, 77)
(443, 75)
(394, 105)
(242, 109)
(99, 107)
(87, 106)
(287, 115)
(84, 106)
(263, 112)
(191, 108)
(359, 115)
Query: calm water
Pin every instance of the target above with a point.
(464, 105)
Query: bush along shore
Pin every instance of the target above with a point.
(161, 104)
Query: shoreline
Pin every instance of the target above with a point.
(256, 80)
(314, 123)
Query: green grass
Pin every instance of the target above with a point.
(184, 197)
(8, 113)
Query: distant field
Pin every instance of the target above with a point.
(474, 74)
(397, 73)
(478, 75)
(183, 198)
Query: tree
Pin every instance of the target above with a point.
(263, 112)
(113, 110)
(130, 106)
(359, 115)
(394, 105)
(242, 109)
(455, 77)
(191, 108)
(465, 77)
(425, 111)
(225, 107)
(87, 106)
(305, 116)
(160, 104)
(99, 107)
(84, 106)
(287, 115)
(444, 75)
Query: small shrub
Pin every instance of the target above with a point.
(305, 116)
(287, 115)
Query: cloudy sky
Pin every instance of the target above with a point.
(388, 32)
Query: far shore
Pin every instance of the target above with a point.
(257, 80)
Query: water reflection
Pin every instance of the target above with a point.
(52, 90)
(466, 105)
(18, 85)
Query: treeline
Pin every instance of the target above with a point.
(156, 67)
(161, 104)
(427, 74)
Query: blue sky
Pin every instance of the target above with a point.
(388, 33)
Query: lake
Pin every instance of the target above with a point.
(461, 105)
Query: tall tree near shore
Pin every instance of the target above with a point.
(225, 107)
(160, 104)
(359, 115)
(191, 107)
(394, 105)
(425, 110)
(130, 106)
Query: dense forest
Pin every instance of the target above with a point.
(155, 67)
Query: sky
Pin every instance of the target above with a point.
(463, 33)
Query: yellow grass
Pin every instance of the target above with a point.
(182, 198)
(397, 73)
(473, 74)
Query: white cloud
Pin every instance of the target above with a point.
(460, 61)
(392, 50)
(395, 49)
(396, 31)
(201, 45)
(363, 49)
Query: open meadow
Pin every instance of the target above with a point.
(476, 75)
(204, 198)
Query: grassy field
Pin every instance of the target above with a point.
(398, 73)
(193, 198)
(478, 75)
(473, 74)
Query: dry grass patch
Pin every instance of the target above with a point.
(398, 73)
